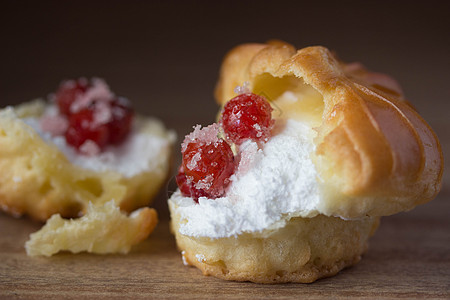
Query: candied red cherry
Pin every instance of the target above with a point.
(121, 121)
(209, 166)
(84, 127)
(187, 189)
(68, 92)
(208, 162)
(247, 116)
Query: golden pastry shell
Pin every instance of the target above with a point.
(39, 181)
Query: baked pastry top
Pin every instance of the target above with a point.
(375, 155)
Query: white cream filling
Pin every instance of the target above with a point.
(140, 152)
(272, 184)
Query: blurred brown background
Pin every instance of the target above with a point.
(165, 55)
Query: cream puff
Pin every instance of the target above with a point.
(85, 147)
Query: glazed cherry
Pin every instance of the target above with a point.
(208, 167)
(121, 121)
(247, 116)
(188, 189)
(103, 122)
(83, 127)
(68, 92)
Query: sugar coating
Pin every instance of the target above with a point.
(244, 89)
(274, 180)
(206, 135)
(99, 91)
(139, 153)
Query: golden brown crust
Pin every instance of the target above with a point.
(118, 233)
(304, 250)
(38, 180)
(306, 274)
(375, 154)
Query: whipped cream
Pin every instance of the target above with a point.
(274, 182)
(140, 152)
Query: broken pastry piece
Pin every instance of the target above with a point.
(293, 195)
(102, 230)
(83, 148)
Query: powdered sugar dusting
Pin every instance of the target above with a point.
(274, 180)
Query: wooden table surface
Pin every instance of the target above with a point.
(165, 58)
